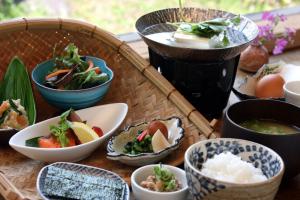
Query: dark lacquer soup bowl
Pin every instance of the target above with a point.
(286, 145)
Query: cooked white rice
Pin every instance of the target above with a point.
(231, 168)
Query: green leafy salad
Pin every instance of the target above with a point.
(215, 29)
(140, 144)
(72, 71)
(162, 181)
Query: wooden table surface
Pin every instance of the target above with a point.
(290, 190)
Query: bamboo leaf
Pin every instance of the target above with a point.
(16, 85)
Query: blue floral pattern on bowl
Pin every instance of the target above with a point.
(200, 186)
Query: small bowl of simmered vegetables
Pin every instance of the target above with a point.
(71, 80)
(159, 181)
(146, 143)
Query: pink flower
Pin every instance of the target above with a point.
(282, 17)
(280, 44)
(290, 32)
(267, 33)
(268, 16)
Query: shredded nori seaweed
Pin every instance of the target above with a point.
(66, 184)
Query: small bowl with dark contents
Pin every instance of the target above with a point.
(71, 80)
(272, 123)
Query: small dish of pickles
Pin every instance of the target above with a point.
(146, 143)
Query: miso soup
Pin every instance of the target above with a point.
(269, 127)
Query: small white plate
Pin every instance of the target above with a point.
(245, 88)
(108, 117)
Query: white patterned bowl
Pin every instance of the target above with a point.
(83, 170)
(203, 187)
(115, 146)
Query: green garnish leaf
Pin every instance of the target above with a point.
(60, 131)
(215, 29)
(14, 107)
(65, 114)
(16, 85)
(136, 147)
(82, 76)
(4, 114)
(167, 177)
(33, 142)
(236, 20)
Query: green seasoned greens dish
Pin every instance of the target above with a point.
(215, 29)
(73, 72)
(61, 183)
(139, 146)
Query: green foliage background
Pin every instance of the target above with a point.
(119, 16)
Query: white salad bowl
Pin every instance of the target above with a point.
(108, 117)
(141, 193)
(115, 146)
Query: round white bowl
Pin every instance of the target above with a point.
(108, 117)
(141, 193)
(204, 187)
(292, 92)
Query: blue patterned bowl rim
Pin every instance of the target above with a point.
(126, 194)
(203, 142)
(112, 153)
(81, 90)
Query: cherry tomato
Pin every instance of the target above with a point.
(98, 71)
(98, 131)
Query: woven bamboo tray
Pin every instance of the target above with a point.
(148, 94)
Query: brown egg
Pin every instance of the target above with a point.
(155, 125)
(270, 86)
